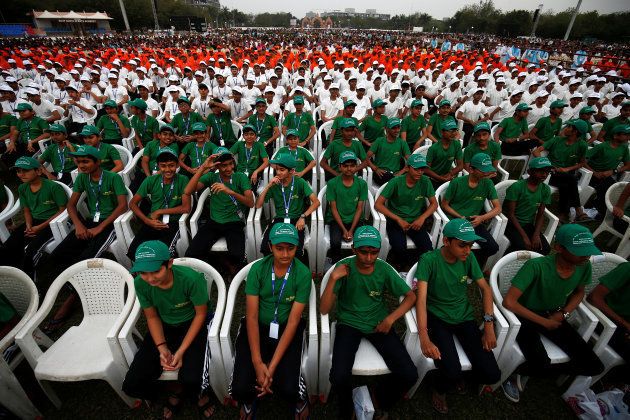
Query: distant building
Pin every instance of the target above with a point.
(350, 10)
(350, 13)
(370, 11)
(77, 23)
(204, 3)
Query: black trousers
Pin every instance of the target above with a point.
(620, 342)
(74, 128)
(20, 150)
(449, 371)
(66, 178)
(583, 359)
(487, 248)
(468, 132)
(518, 148)
(23, 252)
(142, 378)
(264, 246)
(146, 233)
(516, 240)
(336, 236)
(114, 141)
(391, 387)
(287, 379)
(380, 180)
(210, 232)
(567, 190)
(601, 186)
(398, 241)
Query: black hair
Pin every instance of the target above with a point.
(92, 158)
(166, 157)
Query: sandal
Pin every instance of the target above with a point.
(54, 324)
(248, 411)
(582, 218)
(206, 410)
(302, 412)
(171, 408)
(439, 403)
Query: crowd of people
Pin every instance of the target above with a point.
(269, 118)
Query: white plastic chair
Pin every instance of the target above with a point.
(127, 159)
(584, 190)
(268, 174)
(218, 380)
(309, 351)
(10, 201)
(612, 196)
(511, 356)
(129, 142)
(237, 128)
(425, 364)
(89, 350)
(323, 133)
(502, 174)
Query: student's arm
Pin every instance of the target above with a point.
(34, 230)
(534, 136)
(260, 169)
(429, 135)
(497, 133)
(260, 200)
(386, 324)
(431, 208)
(372, 165)
(263, 377)
(428, 348)
(307, 169)
(145, 165)
(337, 218)
(538, 226)
(182, 163)
(489, 339)
(619, 205)
(459, 165)
(598, 299)
(323, 163)
(327, 301)
(195, 326)
(496, 209)
(380, 207)
(79, 229)
(511, 303)
(154, 324)
(449, 210)
(355, 220)
(287, 336)
(314, 205)
(194, 185)
(118, 165)
(537, 151)
(311, 133)
(153, 223)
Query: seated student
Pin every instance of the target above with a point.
(42, 200)
(145, 126)
(113, 125)
(414, 125)
(165, 192)
(305, 162)
(402, 202)
(346, 195)
(268, 348)
(24, 140)
(149, 155)
(57, 154)
(289, 194)
(220, 123)
(330, 159)
(513, 134)
(335, 131)
(606, 133)
(301, 121)
(388, 153)
(442, 154)
(472, 112)
(524, 206)
(174, 300)
(266, 126)
(548, 127)
(443, 311)
(544, 293)
(481, 143)
(373, 126)
(184, 121)
(230, 198)
(251, 156)
(196, 151)
(435, 127)
(358, 285)
(465, 197)
(110, 156)
(567, 154)
(604, 160)
(8, 124)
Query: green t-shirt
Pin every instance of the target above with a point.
(109, 154)
(562, 154)
(221, 128)
(373, 129)
(151, 150)
(109, 128)
(345, 198)
(183, 125)
(107, 196)
(437, 122)
(7, 311)
(31, 129)
(440, 159)
(60, 161)
(198, 155)
(297, 289)
(527, 201)
(389, 156)
(6, 122)
(612, 123)
(177, 304)
(301, 123)
(543, 289)
(336, 125)
(447, 285)
(604, 157)
(413, 128)
(469, 201)
(617, 282)
(145, 129)
(493, 149)
(337, 147)
(361, 302)
(44, 203)
(407, 202)
(264, 128)
(512, 128)
(248, 160)
(545, 129)
(223, 207)
(302, 156)
(162, 196)
(297, 199)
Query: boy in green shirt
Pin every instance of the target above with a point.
(544, 293)
(268, 348)
(388, 153)
(265, 124)
(413, 126)
(184, 120)
(8, 124)
(24, 140)
(443, 154)
(148, 162)
(330, 159)
(358, 285)
(114, 126)
(437, 122)
(219, 122)
(196, 151)
(444, 311)
(58, 156)
(513, 133)
(606, 133)
(303, 157)
(41, 200)
(300, 121)
(335, 133)
(373, 126)
(481, 144)
(174, 300)
(110, 156)
(548, 127)
(146, 127)
(251, 156)
(524, 206)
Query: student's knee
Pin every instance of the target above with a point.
(490, 246)
(490, 374)
(450, 368)
(407, 377)
(340, 377)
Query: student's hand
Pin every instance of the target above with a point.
(340, 272)
(114, 116)
(157, 224)
(535, 244)
(11, 147)
(263, 379)
(300, 224)
(379, 172)
(275, 180)
(384, 326)
(82, 232)
(176, 361)
(617, 211)
(417, 224)
(527, 242)
(403, 224)
(554, 321)
(209, 163)
(95, 231)
(476, 220)
(488, 340)
(346, 235)
(30, 148)
(218, 187)
(429, 349)
(603, 174)
(51, 177)
(560, 170)
(165, 357)
(448, 176)
(254, 178)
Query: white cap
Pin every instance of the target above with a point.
(500, 80)
(31, 91)
(460, 67)
(522, 74)
(574, 81)
(395, 71)
(580, 69)
(615, 94)
(352, 76)
(594, 95)
(300, 89)
(112, 75)
(577, 95)
(333, 86)
(452, 81)
(5, 88)
(517, 92)
(251, 78)
(173, 78)
(327, 77)
(269, 89)
(381, 66)
(542, 94)
(394, 86)
(198, 73)
(25, 62)
(625, 87)
(12, 61)
(41, 67)
(78, 66)
(601, 79)
(612, 73)
(134, 62)
(375, 62)
(237, 89)
(85, 78)
(73, 71)
(477, 89)
(360, 85)
(484, 77)
(142, 69)
(530, 66)
(533, 83)
(221, 60)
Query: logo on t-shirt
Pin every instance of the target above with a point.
(375, 293)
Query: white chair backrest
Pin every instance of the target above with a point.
(125, 154)
(602, 265)
(19, 290)
(510, 265)
(324, 131)
(502, 187)
(613, 193)
(67, 189)
(10, 198)
(423, 150)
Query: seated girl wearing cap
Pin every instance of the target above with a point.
(58, 156)
(268, 348)
(251, 156)
(444, 311)
(175, 303)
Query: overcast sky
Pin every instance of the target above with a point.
(437, 9)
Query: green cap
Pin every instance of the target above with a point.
(150, 256)
(523, 107)
(26, 162)
(183, 99)
(349, 103)
(393, 122)
(23, 106)
(293, 132)
(540, 162)
(461, 229)
(378, 102)
(625, 103)
(249, 127)
(223, 154)
(89, 130)
(260, 101)
(577, 239)
(87, 151)
(285, 159)
(579, 124)
(346, 156)
(298, 100)
(199, 126)
(415, 103)
(482, 162)
(348, 123)
(587, 110)
(283, 233)
(366, 236)
(167, 127)
(139, 103)
(621, 128)
(164, 150)
(449, 125)
(417, 161)
(558, 104)
(110, 104)
(444, 102)
(482, 126)
(56, 128)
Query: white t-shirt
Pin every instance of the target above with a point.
(239, 109)
(202, 106)
(536, 113)
(44, 109)
(392, 108)
(290, 106)
(331, 108)
(222, 93)
(611, 111)
(473, 111)
(506, 110)
(250, 95)
(495, 97)
(116, 94)
(78, 115)
(363, 105)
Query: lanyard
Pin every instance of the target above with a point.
(297, 124)
(248, 155)
(219, 129)
(144, 130)
(28, 130)
(115, 124)
(167, 197)
(62, 157)
(174, 106)
(231, 198)
(259, 125)
(291, 153)
(187, 122)
(97, 193)
(200, 156)
(203, 104)
(115, 93)
(287, 203)
(238, 110)
(273, 289)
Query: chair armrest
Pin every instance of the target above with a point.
(61, 226)
(607, 332)
(324, 324)
(497, 226)
(585, 179)
(436, 229)
(312, 313)
(122, 227)
(125, 335)
(583, 321)
(552, 225)
(377, 218)
(194, 220)
(502, 173)
(501, 328)
(4, 231)
(112, 335)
